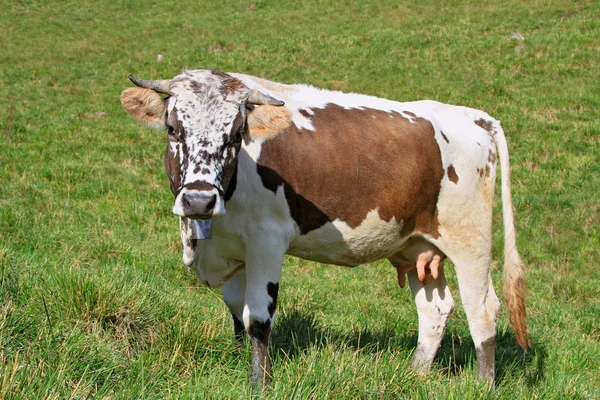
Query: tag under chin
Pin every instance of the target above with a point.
(201, 229)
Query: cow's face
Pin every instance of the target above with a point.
(207, 115)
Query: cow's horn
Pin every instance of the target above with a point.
(160, 86)
(260, 98)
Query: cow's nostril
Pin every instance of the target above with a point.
(185, 201)
(211, 203)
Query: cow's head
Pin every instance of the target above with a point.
(207, 115)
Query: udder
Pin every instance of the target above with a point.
(420, 254)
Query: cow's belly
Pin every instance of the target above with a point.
(337, 243)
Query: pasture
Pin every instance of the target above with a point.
(94, 298)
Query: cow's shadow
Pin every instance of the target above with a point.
(297, 331)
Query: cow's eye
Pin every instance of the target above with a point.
(238, 135)
(171, 132)
(239, 126)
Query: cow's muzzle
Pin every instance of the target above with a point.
(198, 204)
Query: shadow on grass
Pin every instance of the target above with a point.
(297, 331)
(457, 352)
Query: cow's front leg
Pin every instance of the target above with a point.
(234, 294)
(263, 271)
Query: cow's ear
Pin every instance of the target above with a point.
(146, 106)
(267, 121)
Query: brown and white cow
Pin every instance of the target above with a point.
(264, 169)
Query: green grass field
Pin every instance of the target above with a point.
(94, 299)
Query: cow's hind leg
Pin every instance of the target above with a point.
(481, 306)
(234, 294)
(423, 263)
(434, 307)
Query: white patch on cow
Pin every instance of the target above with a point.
(219, 206)
(170, 104)
(338, 243)
(254, 147)
(246, 315)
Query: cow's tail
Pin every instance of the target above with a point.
(514, 280)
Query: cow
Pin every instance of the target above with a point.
(261, 169)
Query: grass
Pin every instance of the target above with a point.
(94, 300)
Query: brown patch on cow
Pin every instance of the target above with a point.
(485, 124)
(491, 157)
(412, 114)
(197, 88)
(231, 85)
(267, 121)
(199, 185)
(399, 162)
(305, 113)
(452, 174)
(444, 136)
(488, 126)
(146, 106)
(484, 171)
